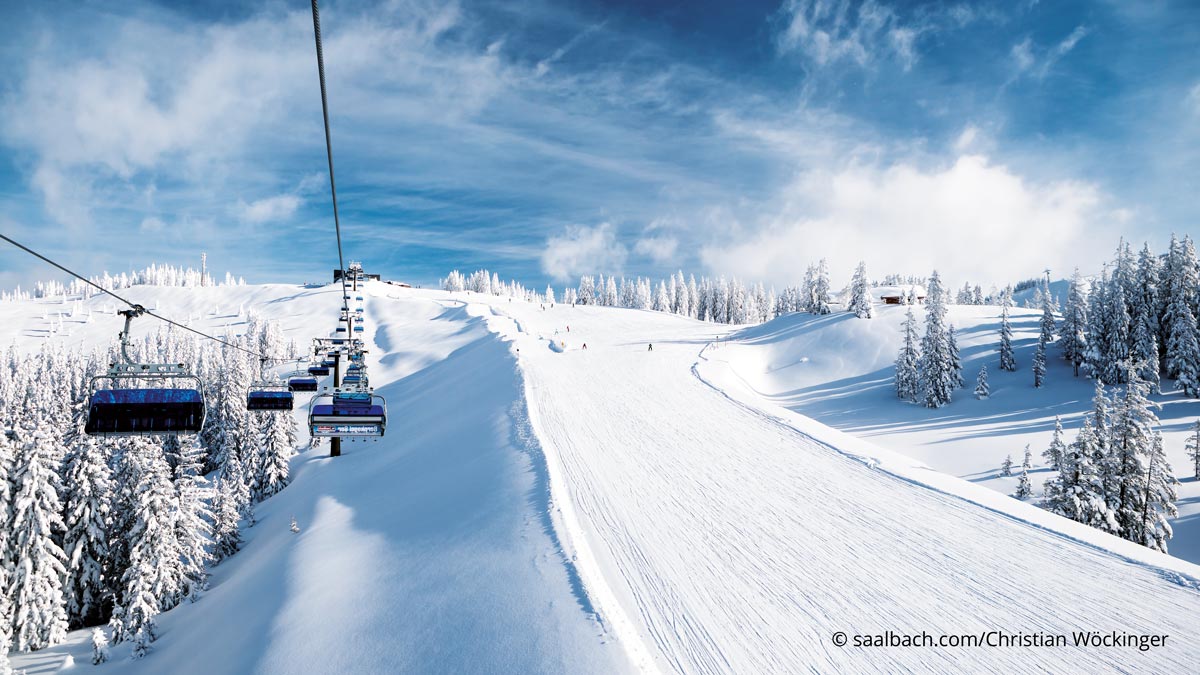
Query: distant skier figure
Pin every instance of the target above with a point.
(568, 329)
(650, 348)
(585, 346)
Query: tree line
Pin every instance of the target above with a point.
(98, 532)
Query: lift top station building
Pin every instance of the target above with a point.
(355, 270)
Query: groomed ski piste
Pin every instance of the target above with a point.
(536, 506)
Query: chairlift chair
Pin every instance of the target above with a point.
(319, 371)
(302, 384)
(143, 411)
(347, 413)
(269, 396)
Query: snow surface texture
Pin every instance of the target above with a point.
(838, 370)
(705, 528)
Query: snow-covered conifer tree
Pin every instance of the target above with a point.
(279, 443)
(1073, 331)
(982, 390)
(955, 359)
(99, 646)
(662, 302)
(1024, 487)
(87, 488)
(549, 294)
(35, 587)
(192, 519)
(227, 536)
(1054, 453)
(860, 293)
(1008, 359)
(936, 368)
(820, 289)
(1006, 466)
(154, 579)
(908, 385)
(1045, 336)
(1143, 497)
(1193, 450)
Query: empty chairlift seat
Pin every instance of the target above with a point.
(272, 398)
(319, 371)
(347, 414)
(302, 384)
(130, 412)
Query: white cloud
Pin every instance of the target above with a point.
(658, 249)
(966, 139)
(583, 250)
(827, 31)
(972, 221)
(1027, 59)
(268, 209)
(1023, 54)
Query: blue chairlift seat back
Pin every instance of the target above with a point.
(269, 399)
(319, 371)
(129, 412)
(302, 384)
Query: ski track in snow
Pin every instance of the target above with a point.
(732, 541)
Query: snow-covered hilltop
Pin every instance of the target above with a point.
(566, 489)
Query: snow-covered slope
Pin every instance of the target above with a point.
(705, 529)
(427, 551)
(838, 370)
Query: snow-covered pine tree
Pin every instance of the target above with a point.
(821, 298)
(1075, 492)
(1160, 492)
(1027, 462)
(192, 520)
(610, 293)
(908, 384)
(227, 536)
(1183, 349)
(1145, 302)
(956, 367)
(35, 588)
(1008, 359)
(99, 646)
(1193, 449)
(1054, 453)
(549, 294)
(1006, 466)
(694, 296)
(936, 368)
(1045, 336)
(808, 301)
(279, 444)
(982, 390)
(154, 579)
(662, 302)
(87, 489)
(587, 291)
(1024, 487)
(860, 293)
(1073, 331)
(1144, 492)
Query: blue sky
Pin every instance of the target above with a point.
(548, 139)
